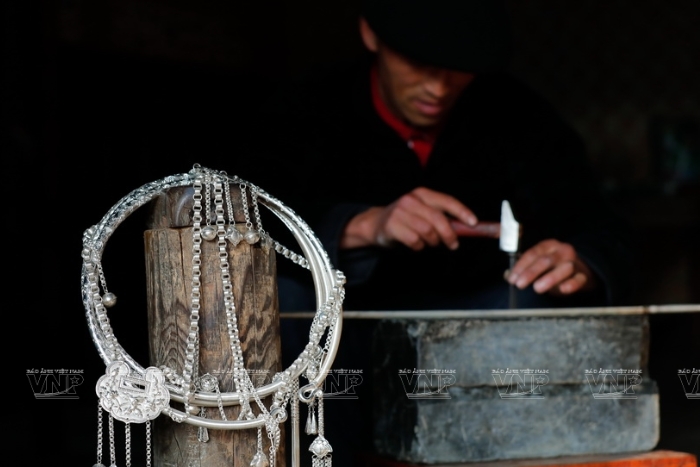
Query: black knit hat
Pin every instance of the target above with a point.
(466, 35)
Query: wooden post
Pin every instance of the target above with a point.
(168, 247)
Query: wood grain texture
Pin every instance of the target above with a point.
(168, 248)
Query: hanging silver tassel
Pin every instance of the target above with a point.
(320, 448)
(259, 459)
(99, 437)
(311, 425)
(202, 432)
(127, 447)
(112, 448)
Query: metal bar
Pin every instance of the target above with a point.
(512, 291)
(500, 314)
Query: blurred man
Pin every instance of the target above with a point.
(390, 158)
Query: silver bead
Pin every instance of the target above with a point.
(259, 460)
(208, 383)
(233, 235)
(209, 233)
(109, 299)
(251, 236)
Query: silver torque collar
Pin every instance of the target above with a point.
(129, 379)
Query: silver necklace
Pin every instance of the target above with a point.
(131, 393)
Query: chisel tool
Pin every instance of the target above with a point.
(508, 242)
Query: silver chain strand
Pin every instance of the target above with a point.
(230, 307)
(321, 413)
(112, 451)
(127, 442)
(289, 254)
(220, 403)
(148, 443)
(244, 201)
(193, 333)
(229, 202)
(256, 210)
(99, 436)
(207, 198)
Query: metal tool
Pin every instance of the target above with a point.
(507, 231)
(508, 242)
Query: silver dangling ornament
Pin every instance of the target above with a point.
(208, 233)
(320, 447)
(109, 299)
(130, 397)
(233, 235)
(251, 236)
(259, 460)
(311, 426)
(202, 432)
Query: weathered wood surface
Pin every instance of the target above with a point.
(168, 246)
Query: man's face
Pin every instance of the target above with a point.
(419, 94)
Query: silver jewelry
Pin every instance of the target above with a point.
(99, 437)
(134, 394)
(112, 448)
(311, 425)
(127, 440)
(251, 235)
(320, 448)
(148, 443)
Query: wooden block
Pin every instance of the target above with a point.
(168, 251)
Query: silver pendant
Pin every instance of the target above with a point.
(130, 397)
(202, 432)
(259, 460)
(311, 425)
(233, 235)
(320, 447)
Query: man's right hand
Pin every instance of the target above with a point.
(417, 219)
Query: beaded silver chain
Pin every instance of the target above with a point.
(120, 390)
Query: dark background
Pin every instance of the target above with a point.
(102, 97)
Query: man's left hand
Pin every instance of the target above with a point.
(552, 266)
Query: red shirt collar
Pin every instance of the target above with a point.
(420, 141)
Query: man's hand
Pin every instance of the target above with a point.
(418, 219)
(554, 267)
